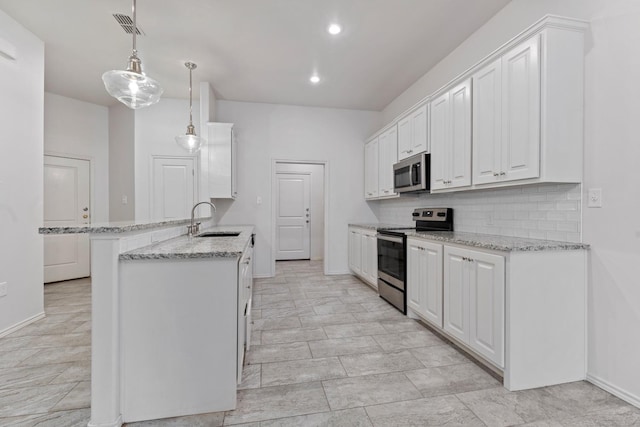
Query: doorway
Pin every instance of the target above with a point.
(67, 202)
(299, 210)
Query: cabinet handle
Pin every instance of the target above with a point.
(496, 174)
(502, 173)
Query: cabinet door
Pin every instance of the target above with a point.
(404, 138)
(372, 254)
(416, 272)
(521, 111)
(432, 307)
(234, 165)
(486, 314)
(456, 293)
(487, 123)
(419, 135)
(371, 169)
(438, 135)
(460, 140)
(355, 251)
(388, 147)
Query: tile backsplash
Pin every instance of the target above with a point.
(540, 211)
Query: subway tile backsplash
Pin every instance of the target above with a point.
(541, 211)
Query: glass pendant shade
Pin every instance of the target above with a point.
(190, 141)
(131, 86)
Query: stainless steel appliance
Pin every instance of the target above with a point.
(412, 174)
(392, 253)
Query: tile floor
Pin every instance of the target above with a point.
(326, 351)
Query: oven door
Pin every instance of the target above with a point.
(391, 260)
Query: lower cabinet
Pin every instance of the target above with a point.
(363, 254)
(245, 302)
(520, 311)
(424, 280)
(474, 286)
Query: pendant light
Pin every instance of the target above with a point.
(190, 141)
(131, 86)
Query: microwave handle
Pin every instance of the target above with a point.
(413, 165)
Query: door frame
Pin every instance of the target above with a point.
(274, 173)
(92, 180)
(196, 177)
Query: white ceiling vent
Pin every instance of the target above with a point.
(126, 23)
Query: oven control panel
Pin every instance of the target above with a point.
(431, 214)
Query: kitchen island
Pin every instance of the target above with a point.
(169, 318)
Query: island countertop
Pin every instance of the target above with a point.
(497, 243)
(185, 247)
(117, 227)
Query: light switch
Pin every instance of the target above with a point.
(124, 200)
(3, 289)
(594, 198)
(259, 200)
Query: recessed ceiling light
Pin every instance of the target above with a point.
(314, 79)
(334, 29)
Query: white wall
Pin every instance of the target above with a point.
(155, 130)
(21, 175)
(316, 207)
(121, 163)
(611, 159)
(266, 132)
(79, 129)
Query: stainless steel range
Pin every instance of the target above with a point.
(392, 253)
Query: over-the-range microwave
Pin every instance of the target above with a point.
(412, 174)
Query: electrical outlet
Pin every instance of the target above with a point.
(3, 289)
(124, 200)
(258, 200)
(594, 198)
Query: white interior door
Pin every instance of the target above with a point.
(292, 216)
(173, 187)
(67, 201)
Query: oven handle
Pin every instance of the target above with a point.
(390, 238)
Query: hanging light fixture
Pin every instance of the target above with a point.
(190, 141)
(131, 86)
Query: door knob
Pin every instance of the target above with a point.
(307, 221)
(85, 216)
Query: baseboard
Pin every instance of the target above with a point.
(262, 276)
(615, 390)
(22, 324)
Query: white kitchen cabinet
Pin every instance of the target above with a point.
(450, 138)
(506, 116)
(355, 250)
(371, 166)
(222, 165)
(528, 109)
(412, 133)
(474, 300)
(245, 302)
(388, 156)
(363, 254)
(424, 280)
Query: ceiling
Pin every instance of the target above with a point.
(254, 50)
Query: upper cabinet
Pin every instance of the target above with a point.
(450, 136)
(222, 155)
(371, 169)
(528, 109)
(506, 116)
(514, 118)
(413, 133)
(388, 156)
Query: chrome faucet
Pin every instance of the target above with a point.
(194, 228)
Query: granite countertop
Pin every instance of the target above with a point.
(379, 226)
(185, 247)
(497, 243)
(117, 227)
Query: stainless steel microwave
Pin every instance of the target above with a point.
(412, 174)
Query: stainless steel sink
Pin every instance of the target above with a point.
(219, 234)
